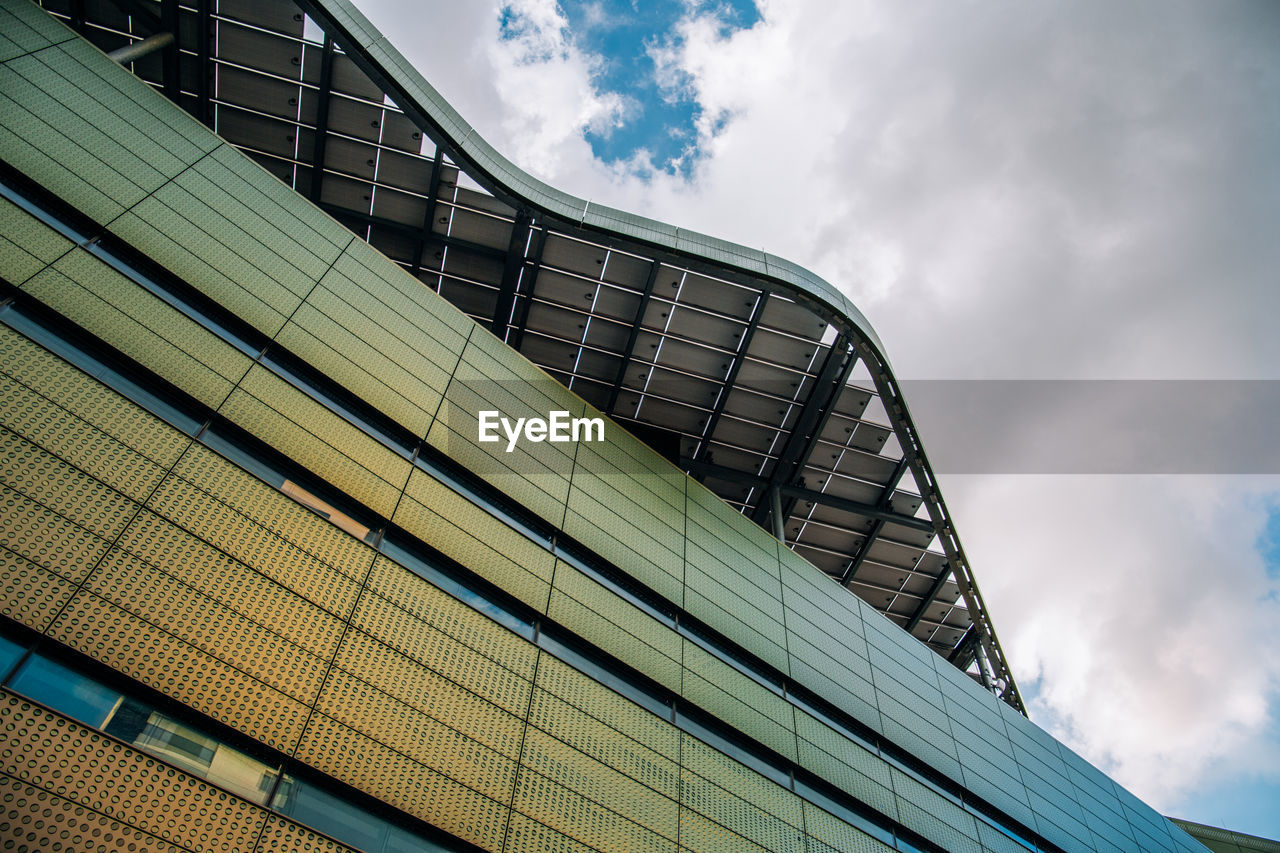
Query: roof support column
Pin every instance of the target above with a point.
(645, 296)
(322, 119)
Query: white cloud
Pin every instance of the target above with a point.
(1144, 610)
(1008, 190)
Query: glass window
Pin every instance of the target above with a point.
(403, 548)
(55, 686)
(10, 652)
(322, 811)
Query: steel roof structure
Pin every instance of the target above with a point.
(753, 375)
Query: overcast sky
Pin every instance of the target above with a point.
(1025, 190)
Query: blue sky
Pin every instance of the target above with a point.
(660, 114)
(1037, 190)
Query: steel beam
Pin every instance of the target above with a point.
(1001, 679)
(511, 268)
(733, 475)
(863, 509)
(75, 14)
(135, 50)
(738, 358)
(886, 498)
(629, 349)
(322, 119)
(204, 63)
(516, 337)
(170, 58)
(835, 371)
(433, 195)
(400, 227)
(930, 597)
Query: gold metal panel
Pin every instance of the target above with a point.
(73, 494)
(264, 505)
(46, 538)
(232, 584)
(446, 520)
(829, 834)
(30, 594)
(393, 778)
(600, 783)
(141, 651)
(702, 835)
(733, 794)
(27, 245)
(285, 836)
(67, 386)
(445, 654)
(34, 820)
(606, 619)
(81, 444)
(55, 753)
(525, 834)
(325, 425)
(604, 704)
(424, 690)
(249, 542)
(418, 736)
(318, 439)
(576, 816)
(599, 740)
(208, 625)
(429, 605)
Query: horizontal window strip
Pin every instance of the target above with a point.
(90, 693)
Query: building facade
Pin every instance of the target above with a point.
(265, 588)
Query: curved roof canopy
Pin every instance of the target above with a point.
(752, 374)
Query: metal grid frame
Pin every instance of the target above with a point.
(762, 390)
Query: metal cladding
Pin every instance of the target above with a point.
(266, 588)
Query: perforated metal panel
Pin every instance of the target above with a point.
(604, 618)
(467, 533)
(140, 650)
(389, 775)
(56, 754)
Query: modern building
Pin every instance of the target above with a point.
(266, 588)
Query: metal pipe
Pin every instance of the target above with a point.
(138, 49)
(775, 509)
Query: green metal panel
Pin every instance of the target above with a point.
(759, 713)
(104, 147)
(24, 28)
(848, 765)
(310, 434)
(445, 520)
(27, 245)
(935, 817)
(601, 617)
